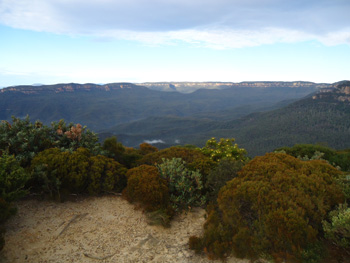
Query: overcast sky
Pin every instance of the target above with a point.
(102, 41)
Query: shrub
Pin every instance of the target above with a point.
(185, 186)
(12, 178)
(309, 151)
(223, 149)
(226, 170)
(106, 175)
(25, 139)
(78, 172)
(113, 149)
(337, 230)
(275, 206)
(146, 187)
(12, 181)
(146, 148)
(194, 159)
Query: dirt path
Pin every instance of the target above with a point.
(103, 229)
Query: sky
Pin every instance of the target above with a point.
(104, 41)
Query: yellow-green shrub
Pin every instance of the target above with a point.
(77, 172)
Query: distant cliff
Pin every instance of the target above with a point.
(338, 92)
(70, 87)
(187, 87)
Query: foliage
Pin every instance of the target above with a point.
(194, 159)
(185, 186)
(25, 139)
(224, 149)
(77, 172)
(338, 229)
(275, 206)
(131, 157)
(313, 253)
(344, 183)
(12, 179)
(113, 149)
(317, 152)
(106, 175)
(226, 170)
(146, 187)
(146, 148)
(71, 137)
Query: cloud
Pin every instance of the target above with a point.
(153, 141)
(207, 23)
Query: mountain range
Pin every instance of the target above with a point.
(260, 115)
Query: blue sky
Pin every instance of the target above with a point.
(103, 41)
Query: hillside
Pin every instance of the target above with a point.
(101, 107)
(319, 118)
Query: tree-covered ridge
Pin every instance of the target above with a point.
(312, 121)
(275, 206)
(103, 106)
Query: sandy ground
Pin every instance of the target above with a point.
(100, 229)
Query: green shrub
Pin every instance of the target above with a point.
(226, 170)
(113, 149)
(146, 187)
(337, 230)
(106, 175)
(55, 172)
(275, 206)
(185, 186)
(224, 149)
(12, 178)
(309, 151)
(12, 182)
(25, 139)
(194, 158)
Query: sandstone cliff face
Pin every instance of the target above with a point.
(71, 87)
(187, 87)
(340, 92)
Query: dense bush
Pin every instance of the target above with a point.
(146, 187)
(25, 139)
(106, 175)
(55, 172)
(275, 206)
(337, 230)
(146, 148)
(113, 149)
(12, 178)
(226, 170)
(185, 186)
(194, 158)
(223, 149)
(12, 181)
(310, 151)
